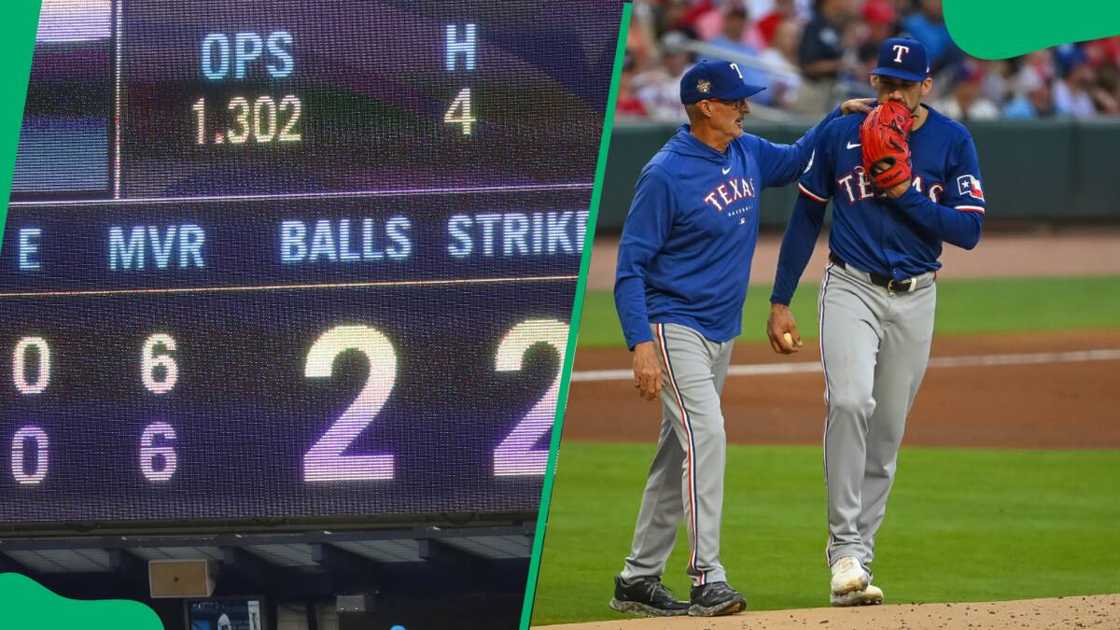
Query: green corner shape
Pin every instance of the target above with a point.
(998, 29)
(28, 604)
(18, 22)
(577, 317)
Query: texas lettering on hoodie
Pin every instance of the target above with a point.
(687, 244)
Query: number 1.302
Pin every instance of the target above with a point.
(262, 121)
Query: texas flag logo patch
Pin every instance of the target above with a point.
(969, 185)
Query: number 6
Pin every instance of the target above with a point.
(150, 362)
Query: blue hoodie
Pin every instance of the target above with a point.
(687, 244)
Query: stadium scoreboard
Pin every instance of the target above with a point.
(294, 262)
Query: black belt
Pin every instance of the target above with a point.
(878, 279)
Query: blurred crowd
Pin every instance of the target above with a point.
(812, 54)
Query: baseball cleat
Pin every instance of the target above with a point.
(715, 599)
(646, 596)
(848, 575)
(870, 596)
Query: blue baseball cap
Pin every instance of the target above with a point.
(903, 58)
(712, 78)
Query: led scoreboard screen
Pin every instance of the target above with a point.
(294, 262)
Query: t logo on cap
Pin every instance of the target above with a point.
(712, 78)
(903, 58)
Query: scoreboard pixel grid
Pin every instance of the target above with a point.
(294, 261)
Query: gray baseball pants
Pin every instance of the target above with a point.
(686, 476)
(874, 350)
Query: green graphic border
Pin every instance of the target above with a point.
(17, 45)
(577, 315)
(998, 29)
(28, 604)
(25, 602)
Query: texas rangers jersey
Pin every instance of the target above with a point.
(903, 237)
(686, 248)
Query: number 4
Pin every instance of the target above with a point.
(462, 103)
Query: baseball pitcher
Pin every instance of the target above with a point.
(903, 180)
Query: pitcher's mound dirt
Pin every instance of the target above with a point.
(1090, 611)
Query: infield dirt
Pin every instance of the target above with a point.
(1095, 611)
(1044, 405)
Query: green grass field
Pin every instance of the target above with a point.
(962, 525)
(964, 307)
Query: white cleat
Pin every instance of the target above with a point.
(870, 596)
(848, 575)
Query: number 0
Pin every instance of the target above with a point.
(38, 437)
(264, 119)
(19, 366)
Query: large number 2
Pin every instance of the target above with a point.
(325, 461)
(515, 455)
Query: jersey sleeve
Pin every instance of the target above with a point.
(645, 231)
(964, 190)
(781, 164)
(958, 217)
(816, 181)
(797, 247)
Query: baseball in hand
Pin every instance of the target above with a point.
(788, 339)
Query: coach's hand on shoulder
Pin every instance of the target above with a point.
(782, 330)
(647, 370)
(854, 105)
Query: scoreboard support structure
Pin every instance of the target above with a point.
(336, 563)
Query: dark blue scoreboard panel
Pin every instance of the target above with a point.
(294, 262)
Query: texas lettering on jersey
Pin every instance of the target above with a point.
(730, 191)
(857, 187)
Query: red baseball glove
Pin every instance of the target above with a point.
(886, 150)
